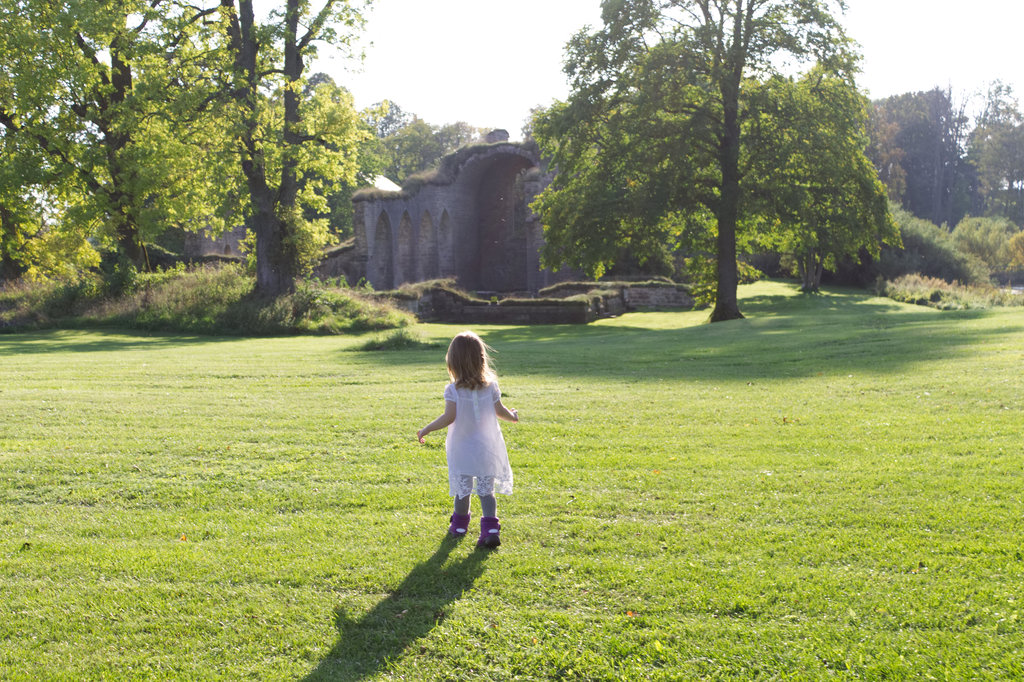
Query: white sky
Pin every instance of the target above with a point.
(487, 62)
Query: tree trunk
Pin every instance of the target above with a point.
(10, 269)
(276, 261)
(811, 269)
(274, 272)
(726, 304)
(116, 140)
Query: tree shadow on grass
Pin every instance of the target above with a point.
(783, 336)
(410, 612)
(97, 340)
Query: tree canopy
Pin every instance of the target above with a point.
(815, 192)
(650, 144)
(942, 166)
(99, 93)
(146, 115)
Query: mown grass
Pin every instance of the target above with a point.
(828, 488)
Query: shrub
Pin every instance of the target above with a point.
(207, 299)
(986, 238)
(938, 293)
(399, 339)
(928, 250)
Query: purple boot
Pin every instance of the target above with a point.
(489, 532)
(459, 525)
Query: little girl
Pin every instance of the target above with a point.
(476, 448)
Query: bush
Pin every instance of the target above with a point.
(206, 299)
(930, 251)
(400, 339)
(986, 238)
(937, 293)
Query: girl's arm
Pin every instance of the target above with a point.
(504, 413)
(441, 422)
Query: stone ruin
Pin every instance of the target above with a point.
(469, 219)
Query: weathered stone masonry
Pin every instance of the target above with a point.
(470, 220)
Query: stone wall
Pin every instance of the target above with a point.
(226, 245)
(631, 295)
(468, 220)
(667, 296)
(442, 305)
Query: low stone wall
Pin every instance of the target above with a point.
(668, 296)
(571, 303)
(442, 305)
(619, 297)
(567, 312)
(339, 262)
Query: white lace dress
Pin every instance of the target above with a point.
(475, 446)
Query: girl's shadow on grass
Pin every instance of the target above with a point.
(410, 612)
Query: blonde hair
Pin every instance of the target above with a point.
(469, 364)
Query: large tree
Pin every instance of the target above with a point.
(35, 240)
(291, 141)
(997, 152)
(674, 69)
(102, 91)
(917, 144)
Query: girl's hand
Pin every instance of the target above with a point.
(515, 414)
(419, 435)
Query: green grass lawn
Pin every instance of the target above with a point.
(831, 487)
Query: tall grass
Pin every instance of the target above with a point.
(938, 293)
(209, 299)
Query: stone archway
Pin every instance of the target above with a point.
(426, 258)
(468, 219)
(381, 270)
(501, 257)
(405, 265)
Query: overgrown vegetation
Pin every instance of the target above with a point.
(209, 299)
(938, 293)
(931, 251)
(443, 173)
(446, 284)
(398, 339)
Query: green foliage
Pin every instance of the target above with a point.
(996, 151)
(939, 168)
(418, 146)
(1016, 249)
(938, 293)
(399, 339)
(918, 144)
(103, 98)
(987, 239)
(213, 299)
(930, 251)
(35, 250)
(651, 137)
(816, 194)
(828, 489)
